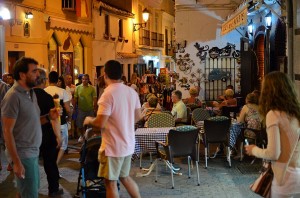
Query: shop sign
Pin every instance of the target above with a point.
(239, 19)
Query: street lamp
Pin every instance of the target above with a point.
(28, 15)
(250, 28)
(4, 13)
(137, 26)
(268, 19)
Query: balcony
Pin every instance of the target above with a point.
(151, 39)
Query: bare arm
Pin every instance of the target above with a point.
(68, 109)
(99, 121)
(95, 104)
(8, 126)
(137, 115)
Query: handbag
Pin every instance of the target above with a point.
(263, 183)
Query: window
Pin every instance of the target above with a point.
(68, 4)
(106, 23)
(120, 28)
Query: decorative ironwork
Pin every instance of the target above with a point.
(197, 77)
(227, 51)
(185, 63)
(202, 51)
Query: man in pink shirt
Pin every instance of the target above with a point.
(118, 110)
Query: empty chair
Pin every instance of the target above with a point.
(216, 130)
(182, 143)
(161, 120)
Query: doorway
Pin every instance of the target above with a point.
(13, 56)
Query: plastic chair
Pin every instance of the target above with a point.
(180, 144)
(161, 120)
(216, 130)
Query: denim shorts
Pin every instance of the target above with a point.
(64, 136)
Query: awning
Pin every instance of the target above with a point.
(126, 55)
(71, 26)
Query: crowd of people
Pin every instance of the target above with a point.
(35, 120)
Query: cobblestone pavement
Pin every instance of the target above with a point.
(218, 180)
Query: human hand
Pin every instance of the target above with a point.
(87, 121)
(58, 141)
(248, 149)
(19, 170)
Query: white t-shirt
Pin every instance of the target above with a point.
(119, 102)
(62, 93)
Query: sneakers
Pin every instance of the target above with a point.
(56, 193)
(9, 168)
(81, 139)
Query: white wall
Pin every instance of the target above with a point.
(202, 26)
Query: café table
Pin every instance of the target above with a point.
(145, 139)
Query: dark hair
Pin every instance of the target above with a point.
(101, 82)
(278, 93)
(113, 70)
(42, 77)
(22, 66)
(229, 87)
(86, 75)
(62, 80)
(178, 94)
(53, 77)
(10, 75)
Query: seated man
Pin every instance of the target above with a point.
(179, 109)
(152, 109)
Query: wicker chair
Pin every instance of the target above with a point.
(199, 114)
(161, 120)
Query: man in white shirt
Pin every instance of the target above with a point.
(65, 99)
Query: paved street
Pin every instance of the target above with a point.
(217, 181)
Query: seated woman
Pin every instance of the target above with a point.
(152, 109)
(250, 115)
(229, 101)
(193, 100)
(146, 104)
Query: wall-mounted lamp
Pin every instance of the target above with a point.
(28, 15)
(268, 19)
(250, 28)
(4, 13)
(137, 26)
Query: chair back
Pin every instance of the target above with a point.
(183, 143)
(226, 111)
(217, 130)
(161, 120)
(199, 114)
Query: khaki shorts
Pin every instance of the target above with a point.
(112, 168)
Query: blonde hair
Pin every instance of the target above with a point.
(229, 93)
(193, 91)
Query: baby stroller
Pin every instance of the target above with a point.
(89, 184)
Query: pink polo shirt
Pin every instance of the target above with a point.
(119, 102)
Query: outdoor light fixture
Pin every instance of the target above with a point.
(250, 28)
(137, 26)
(28, 15)
(4, 13)
(268, 19)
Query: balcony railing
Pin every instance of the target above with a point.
(152, 39)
